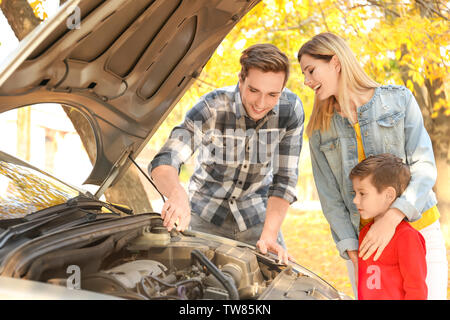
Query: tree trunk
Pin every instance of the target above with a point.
(437, 127)
(22, 20)
(20, 16)
(439, 132)
(130, 190)
(24, 133)
(440, 137)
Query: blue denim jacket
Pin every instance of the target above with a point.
(391, 122)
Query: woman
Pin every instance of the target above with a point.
(354, 117)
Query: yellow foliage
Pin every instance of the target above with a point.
(386, 48)
(20, 183)
(383, 47)
(388, 45)
(38, 9)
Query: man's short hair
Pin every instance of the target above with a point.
(265, 57)
(386, 170)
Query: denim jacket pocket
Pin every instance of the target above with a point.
(390, 120)
(392, 132)
(331, 151)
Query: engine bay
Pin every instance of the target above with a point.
(150, 263)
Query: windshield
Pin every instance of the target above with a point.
(24, 190)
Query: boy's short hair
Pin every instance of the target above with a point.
(265, 57)
(386, 170)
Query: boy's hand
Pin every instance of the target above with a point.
(380, 234)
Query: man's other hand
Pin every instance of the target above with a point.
(176, 209)
(271, 245)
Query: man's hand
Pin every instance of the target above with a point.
(272, 245)
(176, 209)
(275, 213)
(380, 234)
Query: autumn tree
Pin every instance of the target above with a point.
(397, 42)
(22, 20)
(23, 17)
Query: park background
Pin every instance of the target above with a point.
(397, 42)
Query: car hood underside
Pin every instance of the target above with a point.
(124, 66)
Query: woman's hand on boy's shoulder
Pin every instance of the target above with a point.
(380, 234)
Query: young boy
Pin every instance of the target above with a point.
(400, 271)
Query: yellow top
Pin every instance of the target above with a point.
(360, 147)
(428, 217)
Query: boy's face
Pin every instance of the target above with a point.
(260, 92)
(369, 202)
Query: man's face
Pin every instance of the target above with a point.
(260, 92)
(368, 200)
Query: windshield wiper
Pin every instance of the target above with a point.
(80, 202)
(74, 205)
(78, 216)
(24, 227)
(85, 217)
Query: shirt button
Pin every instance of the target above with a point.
(245, 166)
(239, 182)
(231, 201)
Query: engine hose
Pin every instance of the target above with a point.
(174, 286)
(188, 284)
(227, 282)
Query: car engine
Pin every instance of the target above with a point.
(151, 263)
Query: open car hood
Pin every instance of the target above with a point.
(125, 67)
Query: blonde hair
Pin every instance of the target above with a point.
(352, 78)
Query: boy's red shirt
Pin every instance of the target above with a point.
(400, 271)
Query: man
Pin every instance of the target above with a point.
(249, 138)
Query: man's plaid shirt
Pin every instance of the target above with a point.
(241, 162)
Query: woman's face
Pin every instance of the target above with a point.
(321, 76)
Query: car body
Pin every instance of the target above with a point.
(123, 65)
